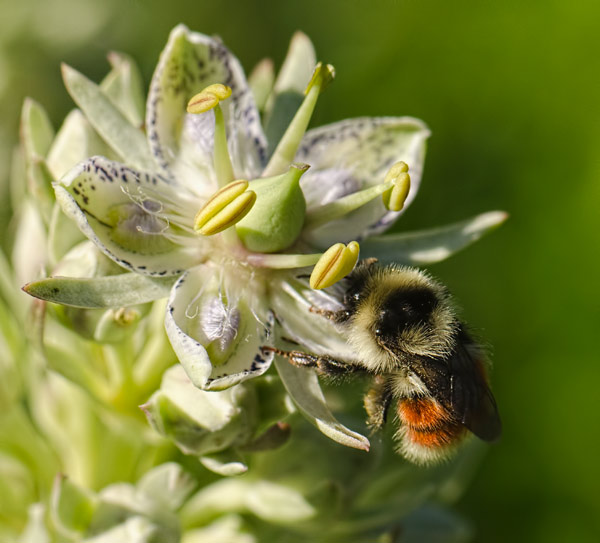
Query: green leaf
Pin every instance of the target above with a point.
(303, 386)
(126, 140)
(432, 245)
(110, 291)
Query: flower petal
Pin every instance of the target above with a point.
(432, 245)
(288, 91)
(124, 86)
(182, 143)
(125, 139)
(110, 291)
(75, 142)
(226, 463)
(215, 332)
(124, 212)
(197, 421)
(292, 302)
(351, 155)
(72, 507)
(167, 485)
(303, 387)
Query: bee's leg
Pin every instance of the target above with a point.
(377, 402)
(327, 313)
(323, 364)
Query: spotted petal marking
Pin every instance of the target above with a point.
(182, 143)
(354, 154)
(115, 207)
(216, 337)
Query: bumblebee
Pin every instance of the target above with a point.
(426, 367)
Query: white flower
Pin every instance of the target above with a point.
(237, 291)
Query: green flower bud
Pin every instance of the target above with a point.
(116, 324)
(275, 221)
(197, 421)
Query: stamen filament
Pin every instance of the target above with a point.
(337, 209)
(222, 160)
(202, 102)
(286, 149)
(282, 261)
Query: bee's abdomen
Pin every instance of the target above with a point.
(428, 432)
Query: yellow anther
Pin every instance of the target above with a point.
(335, 263)
(124, 316)
(322, 76)
(225, 208)
(208, 98)
(395, 171)
(395, 196)
(219, 90)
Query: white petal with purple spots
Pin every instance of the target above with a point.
(352, 155)
(189, 63)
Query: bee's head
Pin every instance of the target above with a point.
(400, 311)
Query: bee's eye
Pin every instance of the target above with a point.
(356, 296)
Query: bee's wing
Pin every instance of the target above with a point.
(459, 383)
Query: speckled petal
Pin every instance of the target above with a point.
(214, 331)
(354, 154)
(123, 212)
(182, 143)
(291, 301)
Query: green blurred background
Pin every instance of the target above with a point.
(510, 90)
